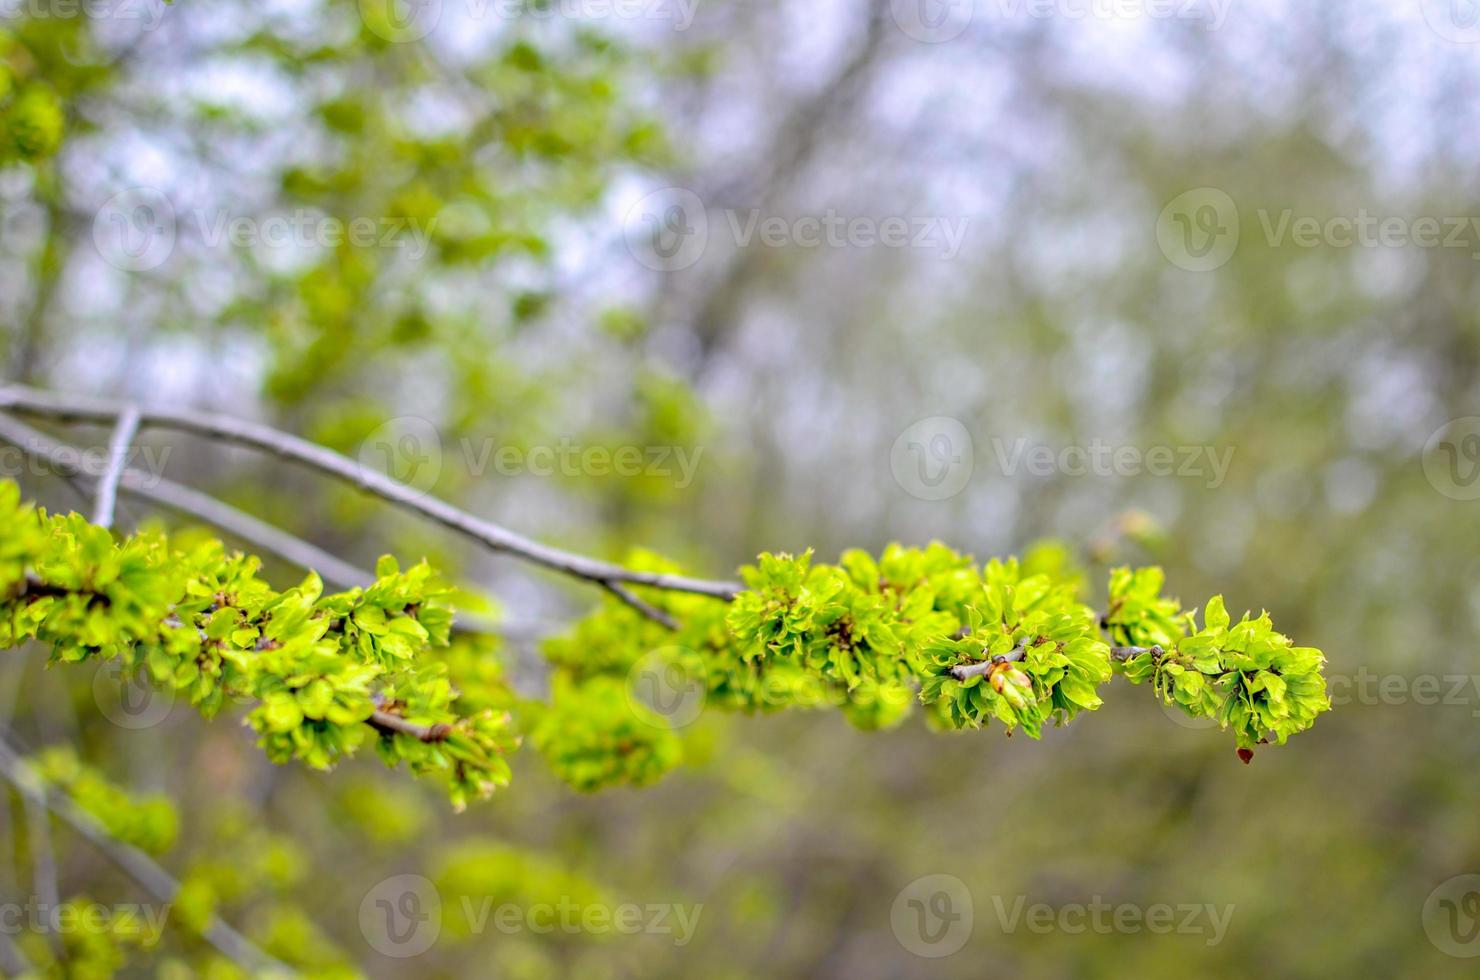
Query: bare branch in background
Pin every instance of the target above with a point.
(647, 609)
(74, 466)
(70, 463)
(107, 493)
(767, 177)
(43, 862)
(67, 408)
(135, 863)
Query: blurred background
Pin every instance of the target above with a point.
(1186, 282)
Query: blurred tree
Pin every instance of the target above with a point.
(1062, 142)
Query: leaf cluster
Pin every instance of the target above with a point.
(318, 673)
(321, 676)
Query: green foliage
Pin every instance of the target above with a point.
(593, 735)
(32, 117)
(318, 671)
(1247, 676)
(387, 815)
(96, 952)
(325, 674)
(289, 933)
(1011, 641)
(148, 823)
(1138, 615)
(549, 125)
(477, 877)
(33, 124)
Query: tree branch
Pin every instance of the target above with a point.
(134, 862)
(962, 671)
(107, 492)
(647, 609)
(66, 408)
(72, 463)
(43, 862)
(384, 721)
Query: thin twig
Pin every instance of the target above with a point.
(71, 463)
(647, 609)
(74, 465)
(238, 523)
(962, 671)
(134, 862)
(384, 721)
(68, 408)
(107, 492)
(1123, 654)
(43, 864)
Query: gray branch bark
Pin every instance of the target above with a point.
(107, 493)
(69, 462)
(132, 861)
(68, 408)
